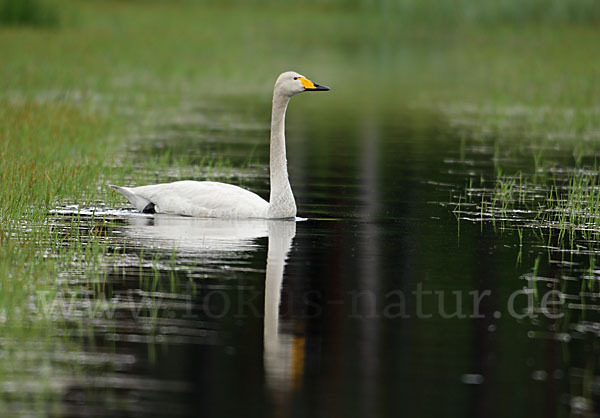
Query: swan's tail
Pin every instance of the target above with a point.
(139, 202)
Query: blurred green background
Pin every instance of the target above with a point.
(430, 53)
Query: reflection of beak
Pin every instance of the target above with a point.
(310, 86)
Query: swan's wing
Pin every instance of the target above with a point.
(199, 198)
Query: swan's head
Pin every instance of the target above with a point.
(290, 83)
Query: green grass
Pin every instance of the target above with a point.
(29, 12)
(454, 11)
(48, 152)
(564, 210)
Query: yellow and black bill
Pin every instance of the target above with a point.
(310, 86)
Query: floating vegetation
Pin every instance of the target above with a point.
(563, 208)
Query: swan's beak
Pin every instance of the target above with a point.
(310, 86)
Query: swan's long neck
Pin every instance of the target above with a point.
(281, 202)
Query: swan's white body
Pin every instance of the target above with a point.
(221, 200)
(198, 198)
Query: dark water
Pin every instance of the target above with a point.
(379, 302)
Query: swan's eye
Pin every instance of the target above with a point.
(295, 78)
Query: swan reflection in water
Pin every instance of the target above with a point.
(214, 238)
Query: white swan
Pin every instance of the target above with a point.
(220, 200)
